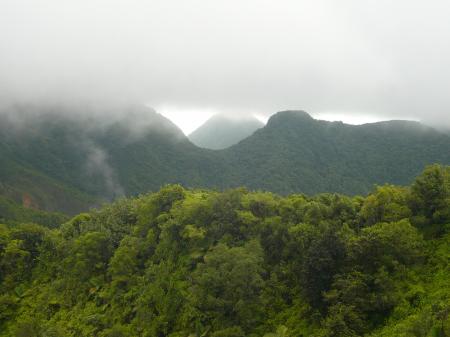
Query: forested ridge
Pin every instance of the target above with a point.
(65, 162)
(193, 262)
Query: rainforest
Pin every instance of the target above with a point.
(197, 262)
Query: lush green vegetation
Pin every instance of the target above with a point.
(27, 185)
(296, 153)
(203, 263)
(13, 214)
(68, 164)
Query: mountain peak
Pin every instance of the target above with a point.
(297, 113)
(289, 116)
(221, 131)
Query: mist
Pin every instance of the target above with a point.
(383, 59)
(97, 164)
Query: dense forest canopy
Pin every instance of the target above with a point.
(193, 262)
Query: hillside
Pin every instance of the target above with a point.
(24, 183)
(194, 263)
(296, 153)
(67, 161)
(220, 132)
(13, 214)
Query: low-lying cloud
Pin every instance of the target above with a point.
(376, 57)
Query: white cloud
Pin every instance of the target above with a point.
(373, 57)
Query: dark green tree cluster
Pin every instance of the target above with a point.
(192, 263)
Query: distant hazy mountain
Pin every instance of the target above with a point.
(220, 132)
(66, 163)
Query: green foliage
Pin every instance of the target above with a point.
(282, 331)
(228, 286)
(430, 194)
(200, 263)
(12, 213)
(387, 203)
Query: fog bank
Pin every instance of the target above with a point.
(373, 58)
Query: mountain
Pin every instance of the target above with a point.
(57, 160)
(295, 152)
(220, 132)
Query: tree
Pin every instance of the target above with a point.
(322, 260)
(386, 245)
(282, 331)
(387, 203)
(90, 255)
(430, 194)
(227, 286)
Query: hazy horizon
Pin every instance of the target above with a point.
(140, 116)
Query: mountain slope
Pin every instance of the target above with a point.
(66, 160)
(295, 152)
(220, 132)
(26, 185)
(54, 158)
(59, 162)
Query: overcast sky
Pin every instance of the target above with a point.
(360, 60)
